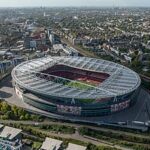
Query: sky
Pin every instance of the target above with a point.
(60, 3)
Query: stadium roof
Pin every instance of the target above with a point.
(122, 80)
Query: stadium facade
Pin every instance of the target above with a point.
(76, 86)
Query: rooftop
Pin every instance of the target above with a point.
(10, 133)
(51, 144)
(58, 46)
(75, 147)
(122, 80)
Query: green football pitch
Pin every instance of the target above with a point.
(79, 85)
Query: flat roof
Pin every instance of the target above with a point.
(75, 147)
(9, 132)
(51, 144)
(57, 46)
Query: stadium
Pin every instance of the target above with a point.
(76, 86)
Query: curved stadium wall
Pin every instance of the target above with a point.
(76, 86)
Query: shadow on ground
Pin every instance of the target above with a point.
(4, 94)
(6, 82)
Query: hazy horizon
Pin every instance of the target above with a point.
(74, 3)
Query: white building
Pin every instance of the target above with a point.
(128, 58)
(51, 144)
(51, 38)
(77, 41)
(75, 147)
(114, 50)
(70, 51)
(10, 138)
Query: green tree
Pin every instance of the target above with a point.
(22, 117)
(15, 110)
(27, 116)
(5, 107)
(8, 115)
(21, 112)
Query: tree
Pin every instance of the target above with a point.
(15, 110)
(8, 114)
(90, 146)
(5, 107)
(22, 117)
(27, 116)
(21, 112)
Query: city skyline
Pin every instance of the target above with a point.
(76, 3)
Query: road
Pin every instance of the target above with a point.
(76, 126)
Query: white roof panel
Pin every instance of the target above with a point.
(51, 144)
(121, 79)
(9, 132)
(75, 147)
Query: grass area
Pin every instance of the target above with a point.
(131, 141)
(58, 128)
(85, 82)
(78, 85)
(36, 145)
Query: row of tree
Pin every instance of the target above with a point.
(117, 138)
(16, 113)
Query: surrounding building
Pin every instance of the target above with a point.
(10, 138)
(7, 66)
(61, 50)
(51, 144)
